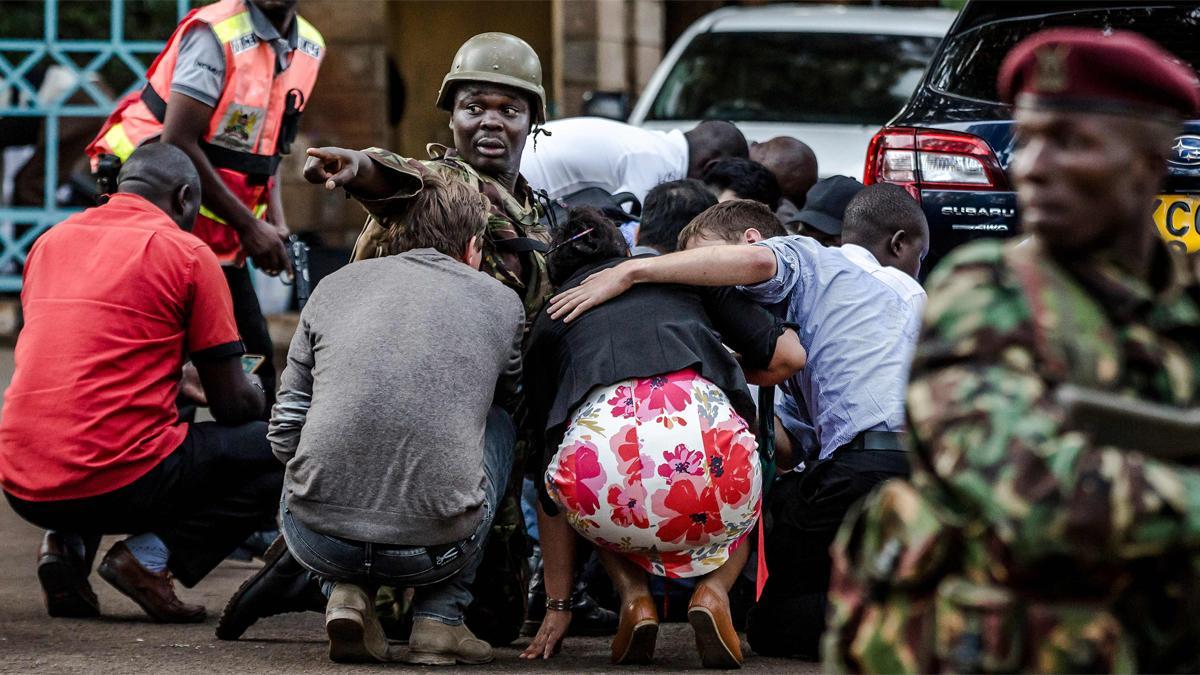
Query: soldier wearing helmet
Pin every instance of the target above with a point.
(495, 98)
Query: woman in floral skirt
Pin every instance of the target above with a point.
(647, 444)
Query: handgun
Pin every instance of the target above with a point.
(298, 250)
(107, 168)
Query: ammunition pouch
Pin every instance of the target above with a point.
(988, 628)
(900, 601)
(888, 558)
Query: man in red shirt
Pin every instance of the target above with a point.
(115, 299)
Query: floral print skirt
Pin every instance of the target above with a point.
(662, 470)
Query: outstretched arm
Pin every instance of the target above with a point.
(709, 266)
(351, 169)
(558, 569)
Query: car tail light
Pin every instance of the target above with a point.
(921, 159)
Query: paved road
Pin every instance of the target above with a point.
(122, 641)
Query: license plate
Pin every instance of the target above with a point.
(1177, 218)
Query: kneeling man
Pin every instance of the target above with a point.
(114, 299)
(390, 423)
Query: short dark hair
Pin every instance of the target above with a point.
(668, 208)
(444, 216)
(730, 219)
(746, 178)
(571, 250)
(877, 212)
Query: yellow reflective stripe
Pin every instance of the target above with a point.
(118, 141)
(309, 32)
(235, 26)
(258, 212)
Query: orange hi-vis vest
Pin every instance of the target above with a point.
(253, 123)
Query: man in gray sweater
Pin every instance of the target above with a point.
(391, 424)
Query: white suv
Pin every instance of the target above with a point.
(828, 75)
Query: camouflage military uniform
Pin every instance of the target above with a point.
(500, 585)
(512, 217)
(1020, 545)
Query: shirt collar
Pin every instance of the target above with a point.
(860, 256)
(132, 202)
(266, 31)
(522, 192)
(866, 261)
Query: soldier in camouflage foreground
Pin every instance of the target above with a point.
(1021, 544)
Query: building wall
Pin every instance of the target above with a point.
(348, 108)
(385, 62)
(605, 45)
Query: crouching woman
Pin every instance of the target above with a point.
(645, 423)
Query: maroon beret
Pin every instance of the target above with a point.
(1089, 71)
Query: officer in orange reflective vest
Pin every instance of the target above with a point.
(228, 90)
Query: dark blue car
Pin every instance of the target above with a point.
(951, 145)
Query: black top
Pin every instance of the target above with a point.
(651, 329)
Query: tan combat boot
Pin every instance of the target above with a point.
(434, 643)
(355, 635)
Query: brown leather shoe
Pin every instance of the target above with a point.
(637, 633)
(154, 593)
(716, 639)
(64, 581)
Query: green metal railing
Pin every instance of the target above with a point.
(18, 58)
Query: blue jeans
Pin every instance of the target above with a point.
(440, 575)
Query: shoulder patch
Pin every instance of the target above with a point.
(311, 42)
(237, 31)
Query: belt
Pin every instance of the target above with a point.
(875, 440)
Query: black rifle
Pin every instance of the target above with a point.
(1165, 432)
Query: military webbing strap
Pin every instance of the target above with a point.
(518, 244)
(1053, 326)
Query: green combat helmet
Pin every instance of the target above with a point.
(498, 58)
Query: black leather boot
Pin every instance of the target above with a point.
(281, 586)
(588, 618)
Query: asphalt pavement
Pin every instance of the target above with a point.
(123, 640)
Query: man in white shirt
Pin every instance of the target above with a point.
(583, 152)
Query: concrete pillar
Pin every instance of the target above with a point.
(605, 45)
(348, 108)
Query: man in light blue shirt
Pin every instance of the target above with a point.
(858, 307)
(859, 322)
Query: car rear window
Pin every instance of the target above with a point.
(970, 60)
(794, 77)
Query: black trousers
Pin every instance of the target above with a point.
(806, 511)
(252, 326)
(202, 500)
